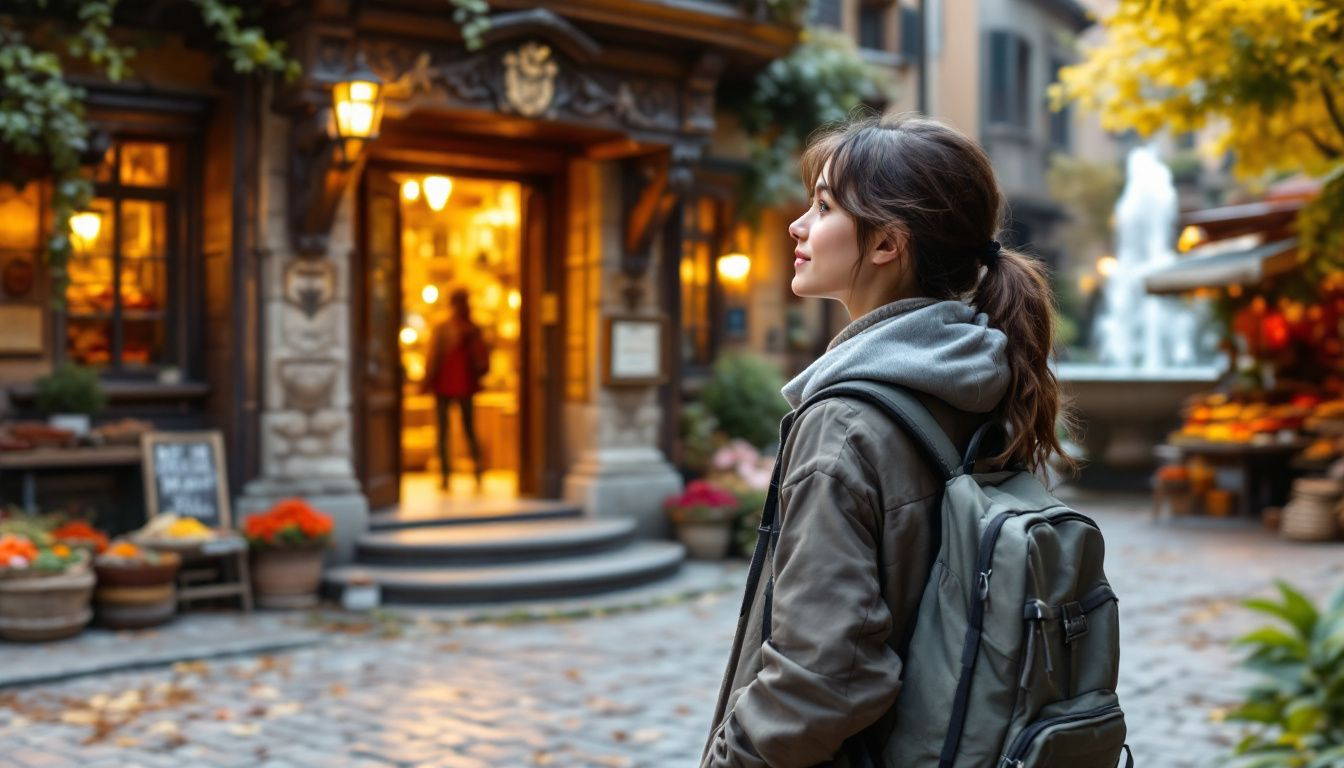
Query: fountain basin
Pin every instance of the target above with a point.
(1123, 413)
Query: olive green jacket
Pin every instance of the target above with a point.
(856, 508)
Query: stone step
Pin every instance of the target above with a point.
(471, 512)
(493, 543)
(587, 574)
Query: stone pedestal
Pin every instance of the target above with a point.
(629, 482)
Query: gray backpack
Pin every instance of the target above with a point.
(1013, 659)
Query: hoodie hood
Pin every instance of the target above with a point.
(943, 348)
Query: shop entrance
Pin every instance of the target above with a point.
(441, 249)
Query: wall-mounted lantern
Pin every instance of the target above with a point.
(330, 142)
(84, 228)
(357, 109)
(437, 189)
(734, 267)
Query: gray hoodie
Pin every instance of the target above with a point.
(942, 348)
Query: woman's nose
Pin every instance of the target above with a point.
(798, 229)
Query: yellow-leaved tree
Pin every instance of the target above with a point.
(1267, 74)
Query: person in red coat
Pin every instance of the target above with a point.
(458, 360)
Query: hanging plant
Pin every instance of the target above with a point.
(819, 82)
(472, 16)
(43, 131)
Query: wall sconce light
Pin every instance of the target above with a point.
(734, 267)
(410, 190)
(1107, 265)
(437, 189)
(357, 108)
(84, 228)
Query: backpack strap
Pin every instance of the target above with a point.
(899, 405)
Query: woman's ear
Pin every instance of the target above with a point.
(889, 248)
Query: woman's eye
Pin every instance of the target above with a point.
(822, 206)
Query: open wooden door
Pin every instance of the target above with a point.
(377, 369)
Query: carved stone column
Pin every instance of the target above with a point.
(306, 417)
(617, 469)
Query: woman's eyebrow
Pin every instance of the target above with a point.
(823, 187)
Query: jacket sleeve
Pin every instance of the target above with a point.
(827, 672)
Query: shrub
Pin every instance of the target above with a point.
(71, 388)
(1298, 708)
(698, 441)
(743, 396)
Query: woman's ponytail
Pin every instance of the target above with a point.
(1015, 294)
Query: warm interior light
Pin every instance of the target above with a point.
(409, 335)
(1087, 284)
(1106, 266)
(515, 299)
(410, 190)
(687, 270)
(734, 267)
(85, 226)
(429, 294)
(1191, 237)
(437, 190)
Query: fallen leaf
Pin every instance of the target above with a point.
(619, 736)
(126, 742)
(79, 717)
(263, 692)
(245, 729)
(285, 709)
(163, 728)
(337, 689)
(573, 674)
(646, 736)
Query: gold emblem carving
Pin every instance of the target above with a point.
(529, 79)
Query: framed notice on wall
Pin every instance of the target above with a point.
(632, 351)
(185, 474)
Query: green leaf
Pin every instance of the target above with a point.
(1303, 716)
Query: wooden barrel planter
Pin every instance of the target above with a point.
(34, 608)
(286, 577)
(137, 595)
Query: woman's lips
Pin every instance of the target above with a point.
(799, 258)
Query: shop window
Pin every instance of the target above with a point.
(910, 32)
(1060, 120)
(119, 299)
(702, 220)
(1009, 79)
(873, 26)
(827, 13)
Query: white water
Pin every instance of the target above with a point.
(1136, 332)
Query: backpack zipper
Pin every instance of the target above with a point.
(1013, 758)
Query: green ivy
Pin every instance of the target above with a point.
(43, 131)
(472, 16)
(821, 81)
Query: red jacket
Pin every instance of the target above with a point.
(457, 360)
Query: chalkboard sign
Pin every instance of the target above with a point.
(185, 475)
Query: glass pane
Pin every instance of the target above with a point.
(145, 164)
(708, 219)
(90, 288)
(20, 217)
(144, 285)
(105, 170)
(144, 229)
(142, 341)
(89, 340)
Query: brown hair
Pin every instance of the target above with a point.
(935, 186)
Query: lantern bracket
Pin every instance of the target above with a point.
(320, 173)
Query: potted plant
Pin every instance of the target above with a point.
(703, 517)
(69, 395)
(1296, 711)
(45, 588)
(136, 586)
(287, 543)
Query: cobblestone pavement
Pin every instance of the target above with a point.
(626, 689)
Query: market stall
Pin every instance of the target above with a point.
(1268, 438)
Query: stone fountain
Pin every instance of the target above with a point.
(1150, 358)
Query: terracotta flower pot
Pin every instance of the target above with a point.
(286, 577)
(706, 534)
(35, 608)
(134, 596)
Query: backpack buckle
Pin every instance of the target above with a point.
(1075, 621)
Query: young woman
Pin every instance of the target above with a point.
(901, 231)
